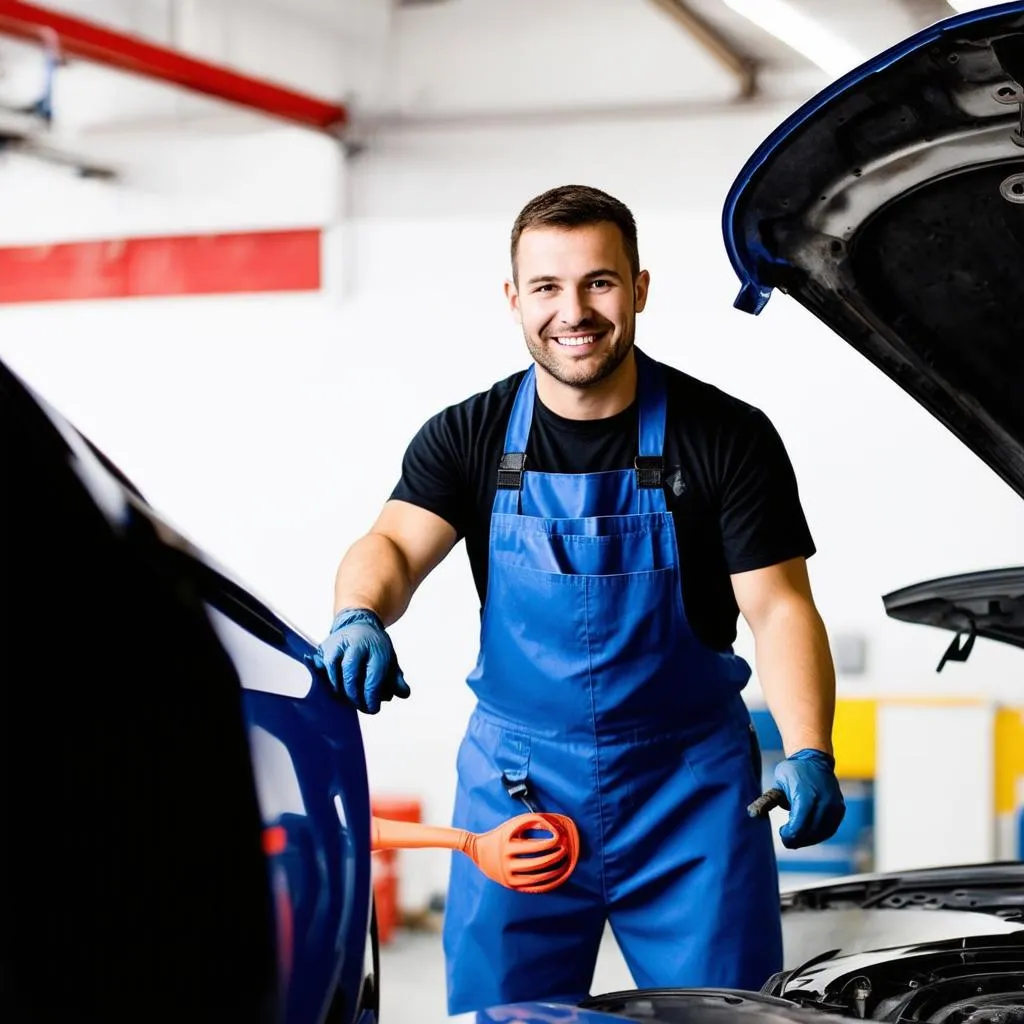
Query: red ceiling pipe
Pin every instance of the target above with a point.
(77, 37)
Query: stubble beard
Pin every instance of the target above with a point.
(585, 375)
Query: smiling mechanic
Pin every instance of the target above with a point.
(618, 516)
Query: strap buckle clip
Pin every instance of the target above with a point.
(510, 471)
(648, 470)
(519, 789)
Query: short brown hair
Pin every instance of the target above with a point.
(573, 206)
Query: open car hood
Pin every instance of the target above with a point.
(988, 604)
(891, 205)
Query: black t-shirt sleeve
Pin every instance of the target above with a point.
(434, 472)
(762, 519)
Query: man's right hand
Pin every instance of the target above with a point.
(360, 660)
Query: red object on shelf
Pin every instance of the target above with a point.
(77, 37)
(120, 268)
(385, 863)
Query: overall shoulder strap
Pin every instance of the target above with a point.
(653, 404)
(512, 463)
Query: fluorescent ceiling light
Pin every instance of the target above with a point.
(962, 6)
(781, 19)
(828, 50)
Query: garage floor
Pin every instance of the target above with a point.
(412, 978)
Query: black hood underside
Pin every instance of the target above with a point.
(943, 268)
(895, 213)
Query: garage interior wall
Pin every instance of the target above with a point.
(271, 427)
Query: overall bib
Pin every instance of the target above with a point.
(593, 691)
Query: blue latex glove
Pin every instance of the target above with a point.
(813, 798)
(360, 660)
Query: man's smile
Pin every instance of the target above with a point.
(578, 339)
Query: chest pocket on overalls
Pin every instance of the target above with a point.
(600, 546)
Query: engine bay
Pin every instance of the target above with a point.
(978, 980)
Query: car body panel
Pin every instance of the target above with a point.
(231, 782)
(667, 1006)
(873, 911)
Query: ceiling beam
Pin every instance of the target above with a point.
(738, 64)
(87, 40)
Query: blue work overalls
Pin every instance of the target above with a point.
(593, 690)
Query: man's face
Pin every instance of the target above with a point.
(576, 300)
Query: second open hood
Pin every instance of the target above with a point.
(988, 604)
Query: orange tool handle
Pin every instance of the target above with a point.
(413, 835)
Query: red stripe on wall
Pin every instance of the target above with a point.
(221, 264)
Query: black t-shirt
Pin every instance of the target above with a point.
(728, 482)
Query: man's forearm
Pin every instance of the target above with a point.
(374, 574)
(797, 675)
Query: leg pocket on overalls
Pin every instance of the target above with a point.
(729, 758)
(491, 753)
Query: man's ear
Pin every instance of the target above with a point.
(641, 286)
(512, 297)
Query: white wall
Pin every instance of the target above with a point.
(271, 428)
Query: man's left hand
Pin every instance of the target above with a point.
(813, 798)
